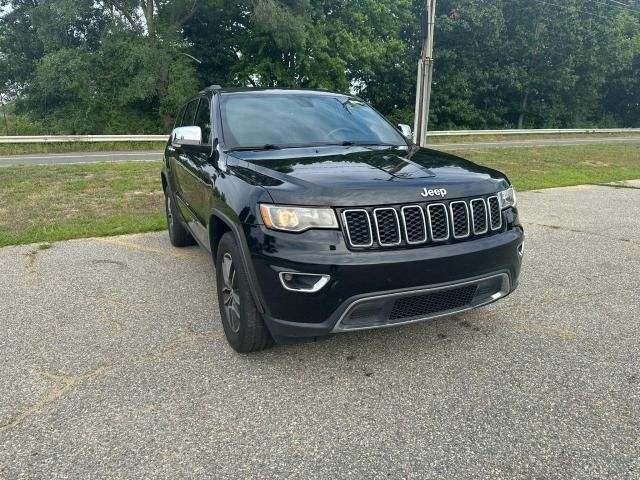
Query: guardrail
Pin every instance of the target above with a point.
(82, 138)
(162, 138)
(456, 133)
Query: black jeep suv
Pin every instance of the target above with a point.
(322, 217)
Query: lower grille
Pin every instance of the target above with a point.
(427, 304)
(422, 304)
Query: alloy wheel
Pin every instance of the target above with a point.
(230, 294)
(169, 213)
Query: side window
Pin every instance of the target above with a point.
(178, 121)
(189, 114)
(203, 120)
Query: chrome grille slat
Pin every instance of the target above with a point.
(415, 226)
(364, 233)
(495, 213)
(460, 219)
(479, 216)
(438, 222)
(390, 234)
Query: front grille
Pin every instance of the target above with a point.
(413, 225)
(429, 303)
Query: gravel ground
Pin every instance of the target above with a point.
(114, 365)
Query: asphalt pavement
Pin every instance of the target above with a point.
(77, 157)
(114, 365)
(94, 157)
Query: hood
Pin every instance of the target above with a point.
(361, 176)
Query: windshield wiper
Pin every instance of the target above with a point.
(268, 146)
(349, 143)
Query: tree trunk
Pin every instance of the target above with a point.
(163, 87)
(147, 9)
(4, 114)
(523, 109)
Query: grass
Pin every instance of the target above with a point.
(57, 202)
(64, 147)
(533, 168)
(536, 136)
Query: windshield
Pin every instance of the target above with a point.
(298, 119)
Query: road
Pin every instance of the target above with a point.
(114, 365)
(92, 157)
(77, 157)
(539, 143)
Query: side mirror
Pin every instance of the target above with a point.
(405, 130)
(186, 136)
(189, 139)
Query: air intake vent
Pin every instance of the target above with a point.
(423, 305)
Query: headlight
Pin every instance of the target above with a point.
(507, 198)
(297, 219)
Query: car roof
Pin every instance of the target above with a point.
(294, 91)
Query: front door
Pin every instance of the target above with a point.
(192, 173)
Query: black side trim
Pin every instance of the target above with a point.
(246, 257)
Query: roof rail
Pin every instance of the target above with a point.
(211, 87)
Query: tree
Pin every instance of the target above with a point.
(81, 66)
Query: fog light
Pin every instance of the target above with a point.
(303, 282)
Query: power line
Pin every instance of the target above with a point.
(626, 8)
(564, 7)
(624, 5)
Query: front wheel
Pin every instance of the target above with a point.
(242, 323)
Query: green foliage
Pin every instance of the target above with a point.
(74, 66)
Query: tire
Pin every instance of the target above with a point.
(178, 233)
(242, 322)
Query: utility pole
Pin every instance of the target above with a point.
(425, 74)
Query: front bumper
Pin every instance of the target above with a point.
(365, 287)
